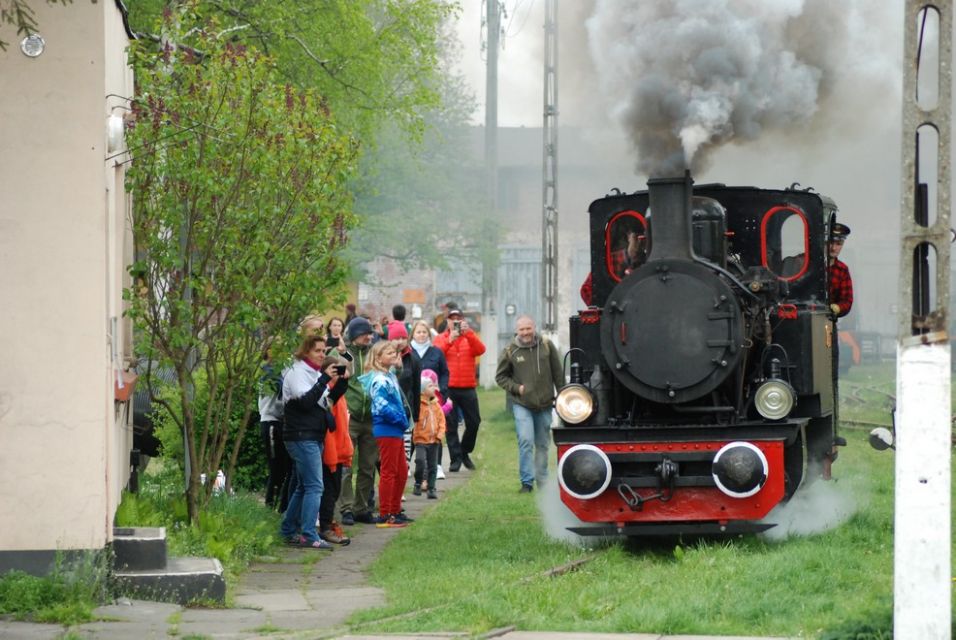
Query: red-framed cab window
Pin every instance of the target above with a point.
(785, 242)
(616, 233)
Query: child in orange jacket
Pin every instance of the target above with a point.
(336, 455)
(428, 435)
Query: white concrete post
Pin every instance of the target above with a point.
(921, 603)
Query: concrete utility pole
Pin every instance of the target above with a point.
(489, 272)
(922, 570)
(549, 218)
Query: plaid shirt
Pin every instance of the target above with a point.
(620, 266)
(841, 287)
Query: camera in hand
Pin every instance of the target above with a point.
(332, 342)
(340, 369)
(457, 325)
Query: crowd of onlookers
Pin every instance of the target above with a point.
(361, 399)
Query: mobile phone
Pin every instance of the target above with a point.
(340, 369)
(332, 342)
(457, 325)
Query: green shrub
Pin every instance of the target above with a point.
(67, 595)
(234, 528)
(251, 466)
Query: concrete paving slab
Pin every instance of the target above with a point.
(223, 623)
(28, 630)
(122, 631)
(316, 622)
(278, 600)
(138, 610)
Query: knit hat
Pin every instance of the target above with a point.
(429, 376)
(358, 326)
(397, 330)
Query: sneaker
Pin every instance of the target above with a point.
(329, 535)
(365, 518)
(403, 517)
(454, 466)
(318, 544)
(417, 489)
(432, 494)
(526, 488)
(337, 528)
(348, 518)
(441, 474)
(390, 522)
(466, 460)
(295, 541)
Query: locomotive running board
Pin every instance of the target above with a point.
(672, 529)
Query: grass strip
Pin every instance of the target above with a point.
(479, 560)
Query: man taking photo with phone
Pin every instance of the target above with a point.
(461, 347)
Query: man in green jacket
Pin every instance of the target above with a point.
(354, 505)
(529, 369)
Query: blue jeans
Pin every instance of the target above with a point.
(534, 432)
(303, 509)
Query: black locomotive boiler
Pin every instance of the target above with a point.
(702, 389)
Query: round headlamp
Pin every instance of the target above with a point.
(740, 469)
(774, 399)
(584, 471)
(574, 403)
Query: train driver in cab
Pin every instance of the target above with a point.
(629, 236)
(841, 284)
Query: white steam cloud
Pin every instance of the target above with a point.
(686, 76)
(556, 518)
(813, 509)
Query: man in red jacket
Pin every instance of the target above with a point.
(461, 346)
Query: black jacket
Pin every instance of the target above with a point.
(305, 418)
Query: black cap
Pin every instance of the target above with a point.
(454, 312)
(840, 231)
(358, 326)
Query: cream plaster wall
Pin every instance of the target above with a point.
(63, 453)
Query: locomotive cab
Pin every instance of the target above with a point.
(703, 395)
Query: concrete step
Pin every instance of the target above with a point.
(139, 548)
(183, 580)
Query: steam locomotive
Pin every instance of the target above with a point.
(701, 392)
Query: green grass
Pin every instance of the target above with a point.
(475, 562)
(66, 596)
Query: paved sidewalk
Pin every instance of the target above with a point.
(287, 598)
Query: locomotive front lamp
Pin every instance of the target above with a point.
(574, 403)
(584, 471)
(775, 399)
(740, 469)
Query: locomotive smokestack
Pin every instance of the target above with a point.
(670, 217)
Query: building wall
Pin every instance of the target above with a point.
(63, 243)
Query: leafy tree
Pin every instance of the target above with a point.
(239, 184)
(384, 66)
(374, 61)
(420, 204)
